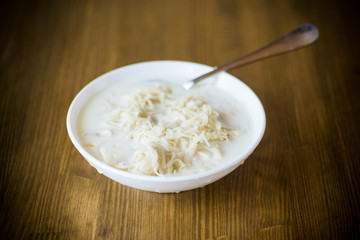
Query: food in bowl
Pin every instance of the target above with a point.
(226, 91)
(160, 129)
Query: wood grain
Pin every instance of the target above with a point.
(302, 182)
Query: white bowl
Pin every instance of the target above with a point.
(159, 70)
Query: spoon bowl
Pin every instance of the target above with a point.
(300, 37)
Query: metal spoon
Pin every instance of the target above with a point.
(300, 37)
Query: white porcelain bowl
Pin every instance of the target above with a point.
(159, 70)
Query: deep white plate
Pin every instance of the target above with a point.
(172, 70)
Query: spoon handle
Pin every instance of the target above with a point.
(300, 37)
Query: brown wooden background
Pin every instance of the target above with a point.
(302, 182)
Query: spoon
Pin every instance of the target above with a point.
(300, 37)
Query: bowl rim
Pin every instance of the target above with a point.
(136, 176)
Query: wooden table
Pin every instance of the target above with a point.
(302, 182)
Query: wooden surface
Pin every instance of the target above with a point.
(302, 182)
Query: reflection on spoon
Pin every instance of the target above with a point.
(300, 37)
